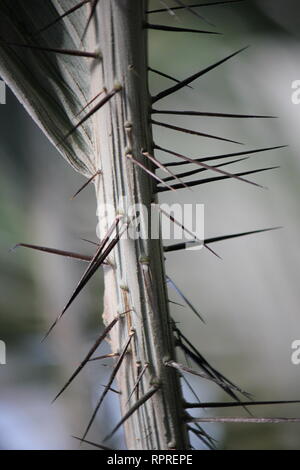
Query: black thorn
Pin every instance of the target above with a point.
(90, 55)
(86, 184)
(200, 170)
(244, 420)
(96, 108)
(213, 168)
(192, 132)
(67, 254)
(153, 175)
(92, 13)
(207, 114)
(112, 377)
(88, 356)
(94, 444)
(93, 266)
(197, 5)
(226, 155)
(184, 298)
(68, 12)
(159, 165)
(218, 178)
(132, 410)
(162, 74)
(193, 77)
(207, 241)
(160, 27)
(192, 11)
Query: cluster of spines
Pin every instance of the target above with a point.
(114, 234)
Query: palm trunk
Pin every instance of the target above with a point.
(135, 280)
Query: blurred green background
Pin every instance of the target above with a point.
(250, 299)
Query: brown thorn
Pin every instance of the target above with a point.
(244, 420)
(136, 162)
(92, 12)
(113, 390)
(106, 356)
(184, 298)
(206, 114)
(180, 225)
(162, 74)
(195, 355)
(88, 356)
(226, 155)
(197, 5)
(193, 77)
(190, 131)
(90, 241)
(183, 368)
(162, 167)
(111, 379)
(59, 18)
(176, 303)
(190, 388)
(132, 410)
(93, 266)
(200, 170)
(192, 11)
(94, 444)
(221, 178)
(71, 52)
(67, 254)
(91, 101)
(183, 246)
(161, 27)
(139, 378)
(199, 428)
(84, 281)
(98, 172)
(224, 383)
(96, 108)
(212, 251)
(203, 437)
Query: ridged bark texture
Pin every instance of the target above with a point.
(135, 280)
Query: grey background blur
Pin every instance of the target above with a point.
(250, 299)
